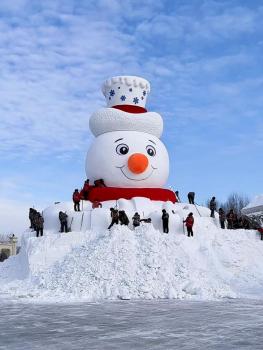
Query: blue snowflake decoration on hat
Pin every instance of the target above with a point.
(136, 100)
(112, 92)
(123, 97)
(144, 93)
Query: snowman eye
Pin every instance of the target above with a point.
(151, 150)
(122, 149)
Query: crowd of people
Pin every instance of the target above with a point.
(83, 194)
(120, 217)
(229, 220)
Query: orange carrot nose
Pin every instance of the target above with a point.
(137, 163)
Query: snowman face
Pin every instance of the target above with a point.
(128, 159)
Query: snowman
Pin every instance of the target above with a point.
(127, 152)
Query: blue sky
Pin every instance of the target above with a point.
(204, 62)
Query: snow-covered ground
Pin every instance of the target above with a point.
(95, 264)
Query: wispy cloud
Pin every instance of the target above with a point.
(14, 216)
(54, 61)
(203, 60)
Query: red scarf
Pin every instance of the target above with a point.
(102, 194)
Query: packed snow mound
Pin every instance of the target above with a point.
(89, 219)
(141, 264)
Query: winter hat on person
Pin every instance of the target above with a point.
(126, 99)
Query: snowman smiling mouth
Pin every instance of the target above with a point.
(134, 179)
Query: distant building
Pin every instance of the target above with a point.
(8, 248)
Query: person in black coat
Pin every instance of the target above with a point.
(32, 213)
(123, 218)
(222, 217)
(39, 225)
(231, 219)
(63, 218)
(165, 219)
(212, 206)
(136, 220)
(191, 197)
(114, 217)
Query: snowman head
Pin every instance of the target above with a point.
(128, 159)
(127, 151)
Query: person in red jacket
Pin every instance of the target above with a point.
(189, 222)
(86, 189)
(76, 200)
(260, 230)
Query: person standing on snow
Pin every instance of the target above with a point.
(39, 225)
(123, 218)
(86, 189)
(63, 218)
(260, 230)
(136, 220)
(76, 200)
(165, 219)
(31, 215)
(189, 222)
(191, 197)
(230, 219)
(114, 217)
(222, 217)
(35, 216)
(212, 207)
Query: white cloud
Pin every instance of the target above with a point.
(202, 62)
(55, 55)
(13, 216)
(199, 25)
(51, 80)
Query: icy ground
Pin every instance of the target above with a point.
(97, 264)
(135, 325)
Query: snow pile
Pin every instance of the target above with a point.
(142, 264)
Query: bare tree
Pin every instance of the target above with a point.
(235, 201)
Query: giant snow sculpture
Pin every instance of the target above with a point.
(127, 152)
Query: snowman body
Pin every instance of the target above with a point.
(128, 159)
(129, 156)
